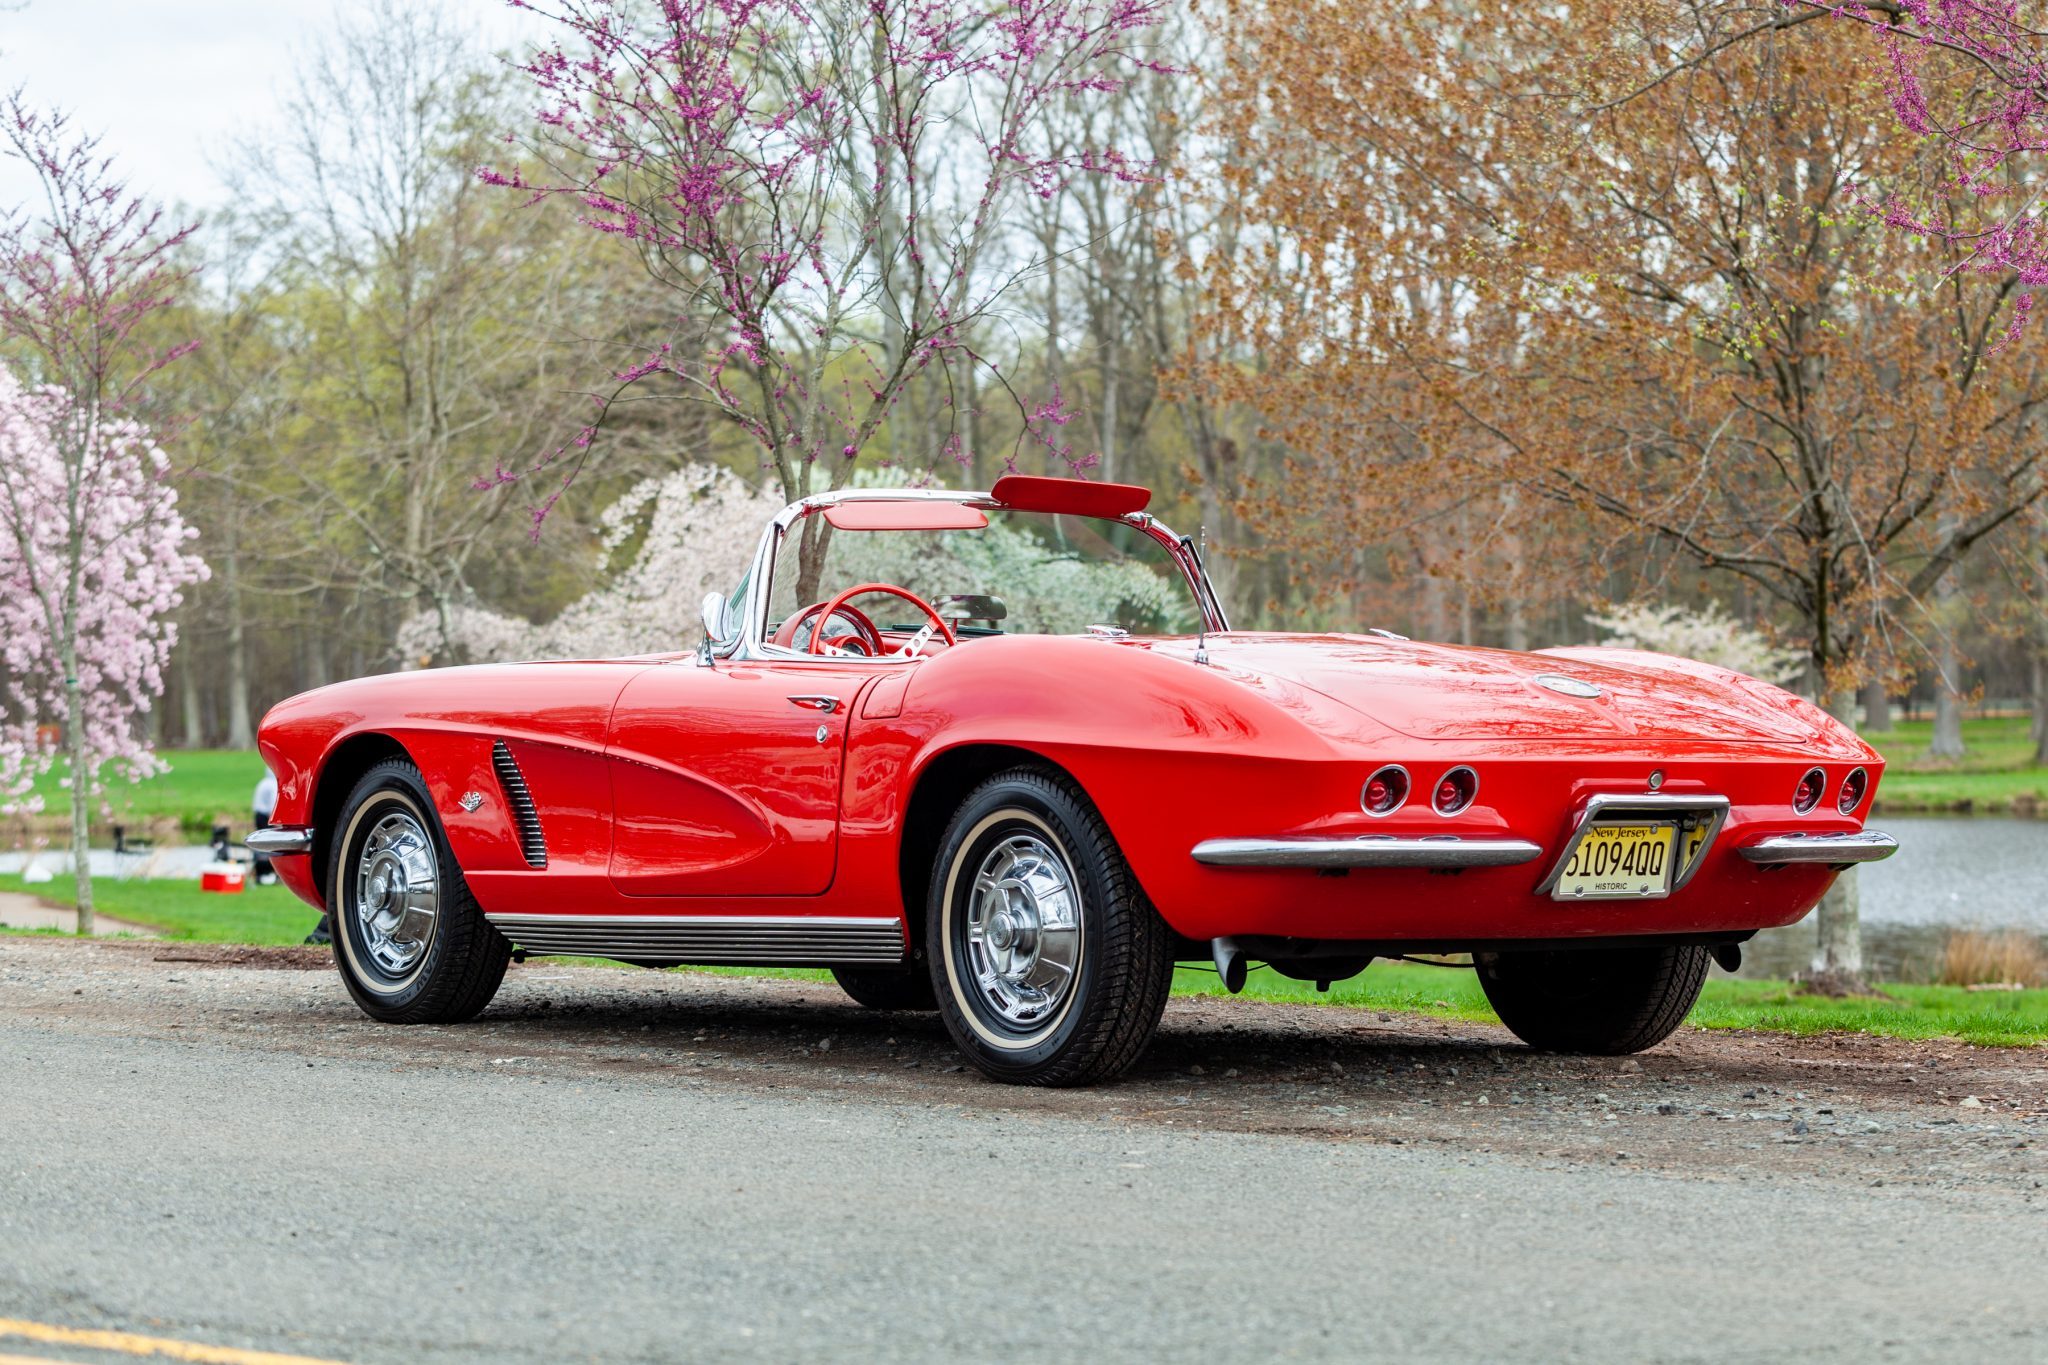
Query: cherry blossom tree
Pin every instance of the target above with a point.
(90, 539)
(692, 530)
(821, 184)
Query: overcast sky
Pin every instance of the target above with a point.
(172, 83)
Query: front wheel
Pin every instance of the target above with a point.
(411, 942)
(1050, 966)
(1604, 1001)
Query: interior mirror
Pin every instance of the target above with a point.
(717, 615)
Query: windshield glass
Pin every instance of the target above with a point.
(1025, 573)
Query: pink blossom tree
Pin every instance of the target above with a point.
(1971, 78)
(92, 550)
(822, 184)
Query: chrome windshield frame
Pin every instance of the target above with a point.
(751, 642)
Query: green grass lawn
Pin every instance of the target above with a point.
(1995, 773)
(272, 915)
(204, 786)
(1995, 1018)
(260, 914)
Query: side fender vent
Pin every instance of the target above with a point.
(532, 842)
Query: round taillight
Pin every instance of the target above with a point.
(1806, 795)
(1455, 790)
(1853, 787)
(1385, 790)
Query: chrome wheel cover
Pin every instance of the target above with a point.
(1023, 930)
(397, 894)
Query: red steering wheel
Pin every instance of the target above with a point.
(865, 640)
(838, 603)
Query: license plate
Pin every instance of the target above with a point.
(1623, 861)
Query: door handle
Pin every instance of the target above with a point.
(817, 703)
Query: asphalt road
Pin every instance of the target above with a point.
(653, 1167)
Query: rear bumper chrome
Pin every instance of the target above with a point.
(1868, 846)
(1369, 850)
(274, 840)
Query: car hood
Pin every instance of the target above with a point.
(1450, 692)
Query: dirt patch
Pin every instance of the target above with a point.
(108, 953)
(293, 959)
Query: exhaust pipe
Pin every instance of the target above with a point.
(1231, 963)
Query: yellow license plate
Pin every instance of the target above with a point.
(1620, 862)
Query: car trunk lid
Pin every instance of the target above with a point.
(1432, 691)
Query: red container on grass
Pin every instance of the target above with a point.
(223, 877)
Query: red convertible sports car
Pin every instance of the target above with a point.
(1000, 755)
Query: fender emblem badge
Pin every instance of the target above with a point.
(471, 800)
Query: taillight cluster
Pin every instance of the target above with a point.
(1455, 790)
(1386, 791)
(1813, 785)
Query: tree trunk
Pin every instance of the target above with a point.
(1948, 680)
(970, 423)
(191, 722)
(81, 805)
(1877, 708)
(241, 734)
(1946, 705)
(2041, 647)
(1517, 626)
(1948, 712)
(1838, 958)
(1221, 568)
(2041, 704)
(1838, 950)
(313, 668)
(1106, 437)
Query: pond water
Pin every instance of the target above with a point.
(170, 860)
(1952, 873)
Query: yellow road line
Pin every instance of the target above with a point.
(127, 1343)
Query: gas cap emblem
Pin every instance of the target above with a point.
(1567, 687)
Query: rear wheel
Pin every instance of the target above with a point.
(1050, 966)
(1605, 1001)
(887, 990)
(411, 942)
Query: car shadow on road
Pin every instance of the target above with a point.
(1207, 1048)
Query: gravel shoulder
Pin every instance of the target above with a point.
(1706, 1102)
(215, 1140)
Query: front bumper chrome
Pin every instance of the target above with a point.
(1444, 851)
(274, 840)
(1776, 850)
